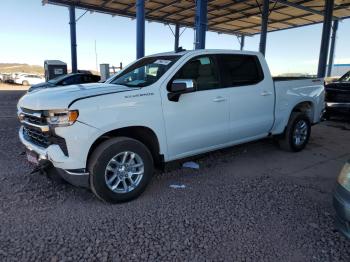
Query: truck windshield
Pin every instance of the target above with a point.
(345, 78)
(145, 71)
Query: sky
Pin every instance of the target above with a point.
(31, 33)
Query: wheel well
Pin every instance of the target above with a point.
(143, 134)
(305, 107)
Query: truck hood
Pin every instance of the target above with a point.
(61, 97)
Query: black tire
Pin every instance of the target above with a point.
(25, 83)
(287, 142)
(101, 157)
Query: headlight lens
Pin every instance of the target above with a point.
(344, 176)
(62, 118)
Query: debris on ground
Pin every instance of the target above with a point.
(190, 164)
(178, 186)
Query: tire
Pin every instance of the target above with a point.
(290, 143)
(107, 161)
(25, 83)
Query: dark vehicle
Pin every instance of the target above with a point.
(341, 201)
(338, 96)
(69, 79)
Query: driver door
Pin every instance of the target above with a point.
(199, 121)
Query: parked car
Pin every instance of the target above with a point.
(69, 79)
(341, 201)
(338, 97)
(28, 79)
(110, 136)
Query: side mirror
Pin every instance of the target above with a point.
(180, 86)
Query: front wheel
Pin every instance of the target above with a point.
(297, 133)
(25, 83)
(120, 169)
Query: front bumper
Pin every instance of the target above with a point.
(338, 108)
(341, 203)
(54, 154)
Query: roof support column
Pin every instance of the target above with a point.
(326, 31)
(264, 22)
(242, 42)
(201, 22)
(177, 37)
(140, 28)
(73, 38)
(331, 51)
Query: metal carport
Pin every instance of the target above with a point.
(236, 17)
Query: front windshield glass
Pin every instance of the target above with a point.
(145, 71)
(57, 79)
(345, 78)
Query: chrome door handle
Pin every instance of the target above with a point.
(219, 99)
(266, 93)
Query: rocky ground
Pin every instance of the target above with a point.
(249, 203)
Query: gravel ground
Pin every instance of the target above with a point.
(249, 203)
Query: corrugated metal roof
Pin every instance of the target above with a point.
(224, 16)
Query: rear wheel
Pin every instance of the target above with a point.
(120, 169)
(297, 133)
(25, 83)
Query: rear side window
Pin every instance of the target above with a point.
(202, 70)
(239, 70)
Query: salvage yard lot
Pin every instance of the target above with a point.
(253, 202)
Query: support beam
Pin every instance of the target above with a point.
(332, 49)
(242, 42)
(73, 38)
(326, 31)
(201, 23)
(140, 28)
(300, 7)
(264, 23)
(177, 37)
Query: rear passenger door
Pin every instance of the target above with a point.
(251, 96)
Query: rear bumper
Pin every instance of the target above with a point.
(341, 203)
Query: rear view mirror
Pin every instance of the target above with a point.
(180, 86)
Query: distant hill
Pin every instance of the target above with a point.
(25, 68)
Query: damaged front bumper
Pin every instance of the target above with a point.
(54, 155)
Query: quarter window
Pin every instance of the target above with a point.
(238, 70)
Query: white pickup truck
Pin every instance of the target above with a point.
(110, 136)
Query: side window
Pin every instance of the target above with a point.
(201, 69)
(239, 70)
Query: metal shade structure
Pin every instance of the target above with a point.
(235, 17)
(241, 17)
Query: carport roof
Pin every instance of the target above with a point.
(224, 16)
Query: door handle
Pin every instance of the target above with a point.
(219, 99)
(266, 93)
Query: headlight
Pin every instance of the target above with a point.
(62, 118)
(344, 176)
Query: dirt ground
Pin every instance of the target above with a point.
(252, 202)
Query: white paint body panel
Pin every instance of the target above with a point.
(196, 124)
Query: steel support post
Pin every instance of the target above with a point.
(177, 37)
(242, 42)
(264, 23)
(326, 31)
(332, 49)
(201, 22)
(140, 28)
(73, 38)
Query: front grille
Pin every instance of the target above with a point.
(338, 97)
(36, 136)
(32, 120)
